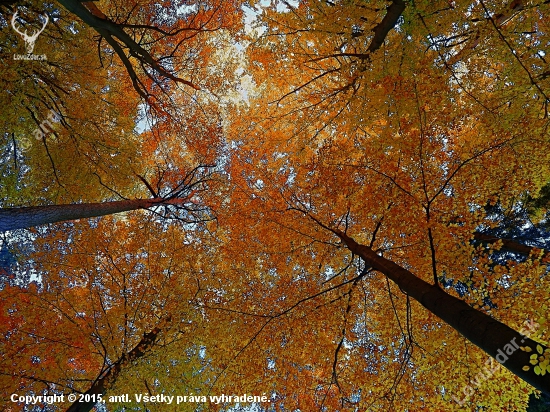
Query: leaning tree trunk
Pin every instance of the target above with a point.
(99, 387)
(513, 246)
(494, 337)
(26, 217)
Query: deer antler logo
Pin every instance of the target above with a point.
(29, 40)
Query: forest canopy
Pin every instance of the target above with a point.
(303, 205)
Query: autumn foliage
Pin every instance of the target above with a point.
(353, 171)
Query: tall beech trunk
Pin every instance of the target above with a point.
(99, 387)
(110, 31)
(512, 245)
(489, 334)
(26, 217)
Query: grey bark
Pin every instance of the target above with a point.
(479, 328)
(26, 217)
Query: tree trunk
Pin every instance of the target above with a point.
(109, 30)
(26, 217)
(492, 336)
(100, 385)
(513, 246)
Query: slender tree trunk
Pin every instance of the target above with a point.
(26, 217)
(99, 387)
(492, 336)
(512, 245)
(109, 30)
